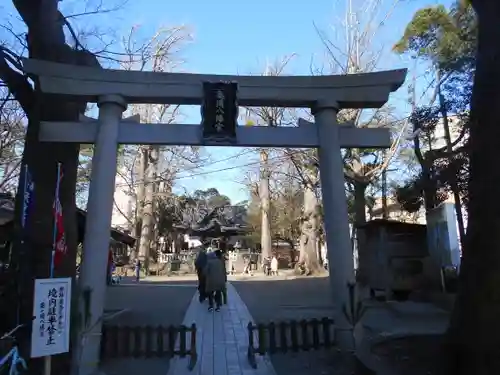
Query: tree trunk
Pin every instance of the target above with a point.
(319, 243)
(141, 192)
(385, 210)
(449, 149)
(147, 212)
(155, 153)
(360, 202)
(429, 190)
(264, 193)
(474, 332)
(33, 259)
(302, 244)
(130, 216)
(359, 213)
(46, 41)
(309, 248)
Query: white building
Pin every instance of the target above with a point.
(439, 138)
(438, 141)
(124, 203)
(395, 212)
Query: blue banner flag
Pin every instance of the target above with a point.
(29, 188)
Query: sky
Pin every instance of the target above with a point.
(239, 37)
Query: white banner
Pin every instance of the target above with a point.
(51, 311)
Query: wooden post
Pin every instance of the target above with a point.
(305, 334)
(315, 333)
(126, 341)
(192, 349)
(294, 335)
(326, 332)
(172, 333)
(261, 334)
(283, 337)
(272, 338)
(159, 341)
(182, 341)
(137, 333)
(251, 349)
(148, 345)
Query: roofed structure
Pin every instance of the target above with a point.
(222, 221)
(7, 220)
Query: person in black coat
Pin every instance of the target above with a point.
(137, 270)
(199, 264)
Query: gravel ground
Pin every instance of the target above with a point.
(165, 302)
(150, 303)
(273, 300)
(411, 355)
(300, 298)
(305, 298)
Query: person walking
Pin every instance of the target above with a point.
(266, 266)
(200, 264)
(216, 278)
(109, 269)
(274, 266)
(246, 268)
(137, 270)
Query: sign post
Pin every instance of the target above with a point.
(52, 299)
(219, 113)
(51, 323)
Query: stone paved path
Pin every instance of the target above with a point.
(222, 340)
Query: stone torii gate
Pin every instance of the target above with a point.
(113, 90)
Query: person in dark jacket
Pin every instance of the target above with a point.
(137, 269)
(199, 264)
(110, 267)
(215, 280)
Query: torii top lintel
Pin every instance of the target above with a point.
(367, 90)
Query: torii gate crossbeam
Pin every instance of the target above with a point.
(303, 136)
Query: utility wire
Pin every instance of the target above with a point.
(276, 158)
(208, 162)
(187, 169)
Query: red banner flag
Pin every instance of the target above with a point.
(59, 235)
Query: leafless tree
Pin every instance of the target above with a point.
(147, 168)
(12, 132)
(273, 116)
(43, 32)
(353, 47)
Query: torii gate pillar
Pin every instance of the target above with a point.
(340, 256)
(98, 223)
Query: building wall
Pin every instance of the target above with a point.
(395, 212)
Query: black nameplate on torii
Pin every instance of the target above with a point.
(219, 112)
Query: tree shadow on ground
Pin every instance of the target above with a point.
(150, 303)
(300, 298)
(414, 355)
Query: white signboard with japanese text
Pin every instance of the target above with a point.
(51, 311)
